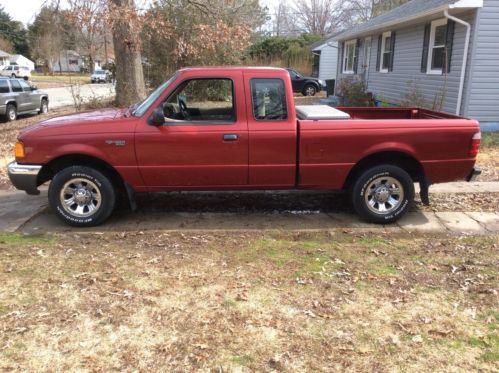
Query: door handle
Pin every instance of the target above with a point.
(231, 137)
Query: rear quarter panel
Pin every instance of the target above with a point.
(329, 149)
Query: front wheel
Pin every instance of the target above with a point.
(383, 194)
(44, 107)
(11, 113)
(81, 196)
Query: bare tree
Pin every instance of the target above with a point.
(320, 17)
(126, 25)
(6, 45)
(88, 17)
(283, 24)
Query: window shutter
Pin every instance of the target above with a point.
(378, 57)
(356, 58)
(342, 54)
(392, 51)
(449, 38)
(426, 45)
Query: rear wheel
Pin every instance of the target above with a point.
(10, 112)
(383, 194)
(82, 196)
(309, 90)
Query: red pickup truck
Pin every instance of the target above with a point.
(237, 129)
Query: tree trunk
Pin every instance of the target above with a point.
(130, 87)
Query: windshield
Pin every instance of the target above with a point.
(144, 105)
(99, 72)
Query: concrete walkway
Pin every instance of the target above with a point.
(30, 214)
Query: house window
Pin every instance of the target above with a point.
(349, 57)
(436, 52)
(73, 62)
(386, 51)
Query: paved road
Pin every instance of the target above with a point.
(63, 96)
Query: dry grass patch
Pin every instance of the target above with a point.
(282, 301)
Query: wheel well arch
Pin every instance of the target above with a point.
(395, 158)
(11, 102)
(311, 82)
(49, 170)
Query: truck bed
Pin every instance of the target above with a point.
(395, 113)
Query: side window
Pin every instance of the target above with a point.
(16, 87)
(202, 100)
(25, 86)
(4, 86)
(269, 99)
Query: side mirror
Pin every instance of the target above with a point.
(34, 88)
(157, 118)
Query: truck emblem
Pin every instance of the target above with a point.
(116, 142)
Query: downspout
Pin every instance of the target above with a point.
(465, 57)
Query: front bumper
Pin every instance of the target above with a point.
(24, 177)
(474, 174)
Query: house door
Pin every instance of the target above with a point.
(366, 59)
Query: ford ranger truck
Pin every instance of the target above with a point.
(237, 128)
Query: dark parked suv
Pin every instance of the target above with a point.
(307, 85)
(17, 96)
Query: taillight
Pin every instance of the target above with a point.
(475, 144)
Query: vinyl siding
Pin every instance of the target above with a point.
(483, 95)
(391, 87)
(327, 64)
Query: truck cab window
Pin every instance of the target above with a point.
(269, 99)
(201, 100)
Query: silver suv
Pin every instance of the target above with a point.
(17, 96)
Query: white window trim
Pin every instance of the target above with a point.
(431, 45)
(345, 56)
(383, 39)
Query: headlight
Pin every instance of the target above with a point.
(19, 150)
(322, 82)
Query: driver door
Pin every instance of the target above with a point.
(203, 143)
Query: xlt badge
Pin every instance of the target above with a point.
(116, 142)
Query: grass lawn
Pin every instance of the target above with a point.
(56, 80)
(329, 301)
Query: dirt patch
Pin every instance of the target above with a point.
(329, 301)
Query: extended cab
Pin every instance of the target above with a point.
(237, 129)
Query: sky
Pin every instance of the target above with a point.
(25, 10)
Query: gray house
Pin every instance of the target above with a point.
(325, 58)
(444, 51)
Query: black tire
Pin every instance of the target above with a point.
(10, 113)
(394, 194)
(83, 179)
(309, 90)
(44, 106)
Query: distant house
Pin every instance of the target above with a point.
(67, 61)
(19, 59)
(325, 58)
(4, 59)
(445, 50)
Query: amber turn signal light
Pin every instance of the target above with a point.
(19, 150)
